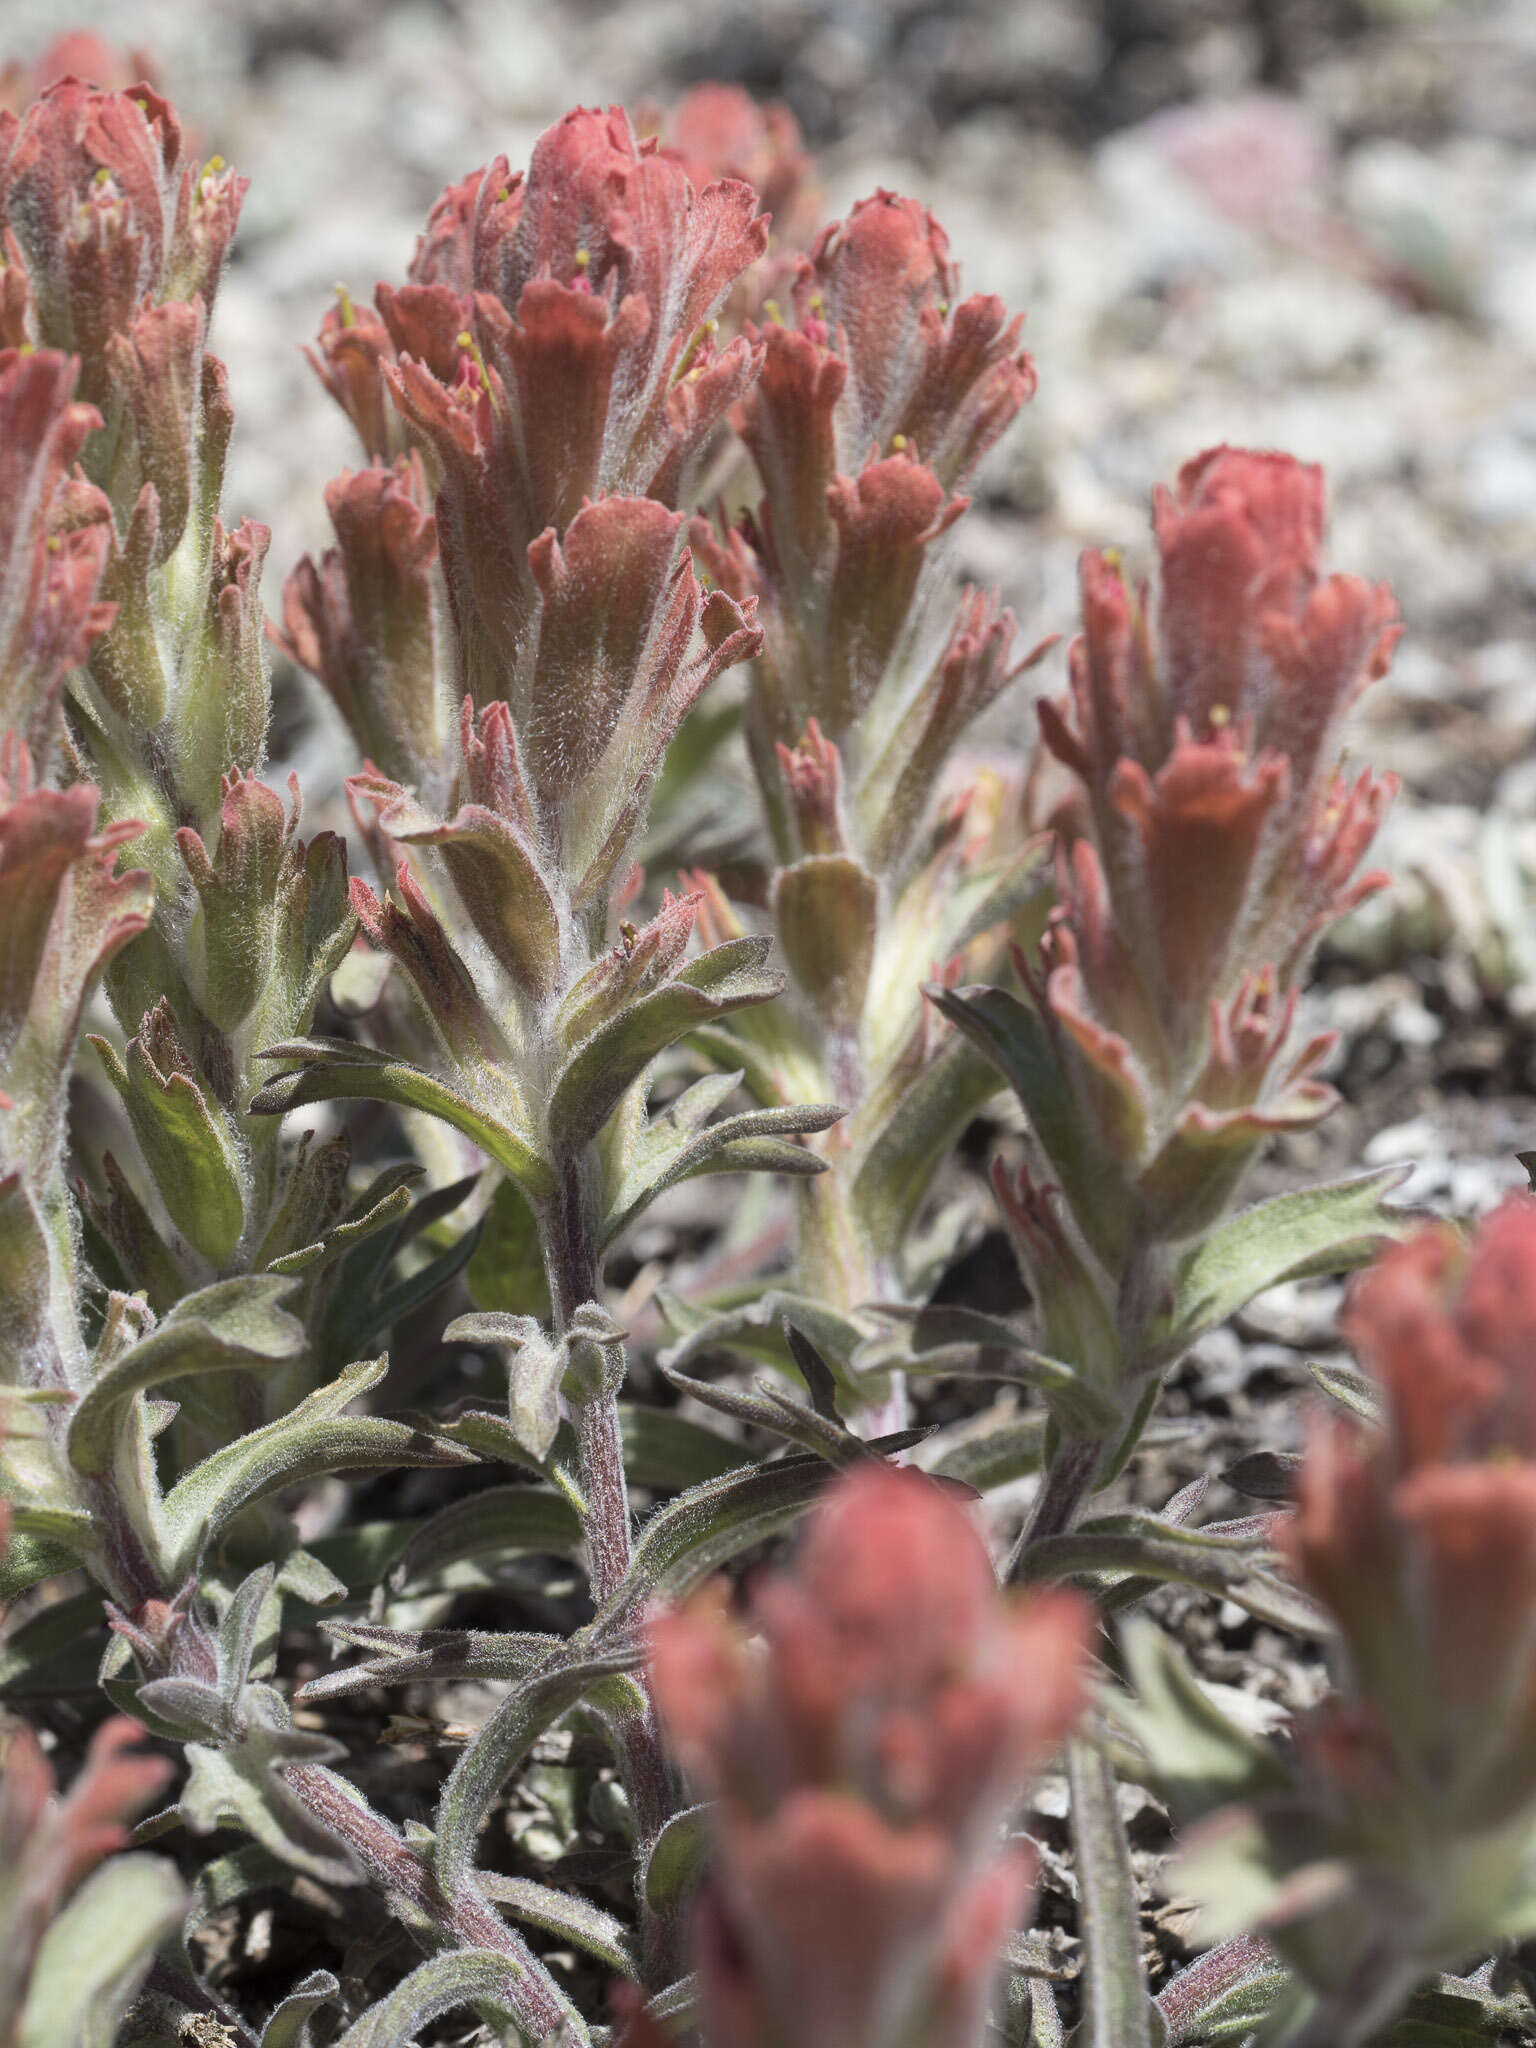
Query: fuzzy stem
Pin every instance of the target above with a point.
(572, 1265)
(1218, 1971)
(1063, 1490)
(467, 1921)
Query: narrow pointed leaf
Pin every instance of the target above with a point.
(1119, 2011)
(499, 1746)
(233, 1326)
(327, 1075)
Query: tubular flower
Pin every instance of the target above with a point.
(1213, 838)
(879, 395)
(861, 1768)
(109, 221)
(50, 568)
(1392, 1838)
(48, 1843)
(555, 343)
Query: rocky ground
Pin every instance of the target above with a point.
(1301, 223)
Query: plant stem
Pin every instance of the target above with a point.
(572, 1264)
(1063, 1490)
(467, 1921)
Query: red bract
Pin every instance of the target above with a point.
(1204, 729)
(1214, 836)
(872, 410)
(364, 620)
(1422, 1541)
(63, 914)
(555, 343)
(102, 209)
(49, 568)
(556, 781)
(861, 1768)
(75, 54)
(720, 131)
(48, 1843)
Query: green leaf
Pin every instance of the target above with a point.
(1144, 1546)
(233, 1326)
(289, 2024)
(1200, 1761)
(31, 1648)
(187, 1148)
(917, 1132)
(506, 1273)
(758, 1331)
(491, 1526)
(569, 1674)
(964, 1343)
(600, 1070)
(676, 1859)
(240, 1783)
(1330, 1229)
(691, 1537)
(779, 1414)
(385, 1203)
(668, 1451)
(405, 1656)
(1351, 1388)
(1119, 2011)
(1223, 1995)
(313, 1438)
(991, 1451)
(394, 1303)
(335, 1070)
(481, 1977)
(97, 1951)
(534, 1374)
(564, 1914)
(1010, 1034)
(28, 1559)
(674, 1148)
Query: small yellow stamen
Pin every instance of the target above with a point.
(771, 308)
(708, 332)
(345, 306)
(583, 258)
(817, 302)
(1220, 716)
(52, 544)
(466, 341)
(898, 444)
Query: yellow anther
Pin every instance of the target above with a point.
(101, 176)
(771, 308)
(943, 309)
(898, 444)
(709, 329)
(466, 341)
(214, 166)
(1220, 716)
(816, 302)
(52, 544)
(1111, 558)
(583, 258)
(345, 306)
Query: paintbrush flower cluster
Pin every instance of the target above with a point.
(646, 562)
